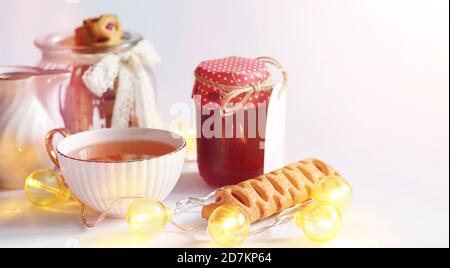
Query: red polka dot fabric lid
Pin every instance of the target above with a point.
(233, 71)
(217, 79)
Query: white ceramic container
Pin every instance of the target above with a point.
(99, 184)
(28, 110)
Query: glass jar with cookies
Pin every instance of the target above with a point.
(111, 81)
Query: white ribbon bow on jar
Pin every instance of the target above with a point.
(133, 84)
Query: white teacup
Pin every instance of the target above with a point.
(98, 184)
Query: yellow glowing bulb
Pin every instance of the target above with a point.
(187, 131)
(320, 221)
(45, 187)
(335, 190)
(147, 217)
(228, 226)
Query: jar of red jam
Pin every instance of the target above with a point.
(240, 118)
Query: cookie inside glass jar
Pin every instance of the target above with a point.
(105, 30)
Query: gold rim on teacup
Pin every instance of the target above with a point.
(53, 151)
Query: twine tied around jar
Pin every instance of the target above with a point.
(228, 92)
(127, 72)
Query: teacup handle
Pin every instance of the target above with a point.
(49, 143)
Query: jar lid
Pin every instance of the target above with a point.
(233, 71)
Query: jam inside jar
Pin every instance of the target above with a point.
(223, 161)
(232, 97)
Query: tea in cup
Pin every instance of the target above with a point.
(103, 166)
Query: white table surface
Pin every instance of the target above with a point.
(366, 225)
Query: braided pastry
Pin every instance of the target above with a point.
(271, 193)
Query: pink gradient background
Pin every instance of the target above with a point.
(369, 86)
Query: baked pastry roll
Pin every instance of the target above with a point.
(271, 193)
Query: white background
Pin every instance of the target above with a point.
(369, 93)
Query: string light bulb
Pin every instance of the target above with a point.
(228, 226)
(335, 190)
(147, 217)
(45, 187)
(320, 221)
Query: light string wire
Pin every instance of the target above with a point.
(282, 218)
(104, 214)
(180, 206)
